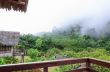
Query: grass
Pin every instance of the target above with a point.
(53, 69)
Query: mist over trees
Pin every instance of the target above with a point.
(69, 36)
(82, 29)
(71, 30)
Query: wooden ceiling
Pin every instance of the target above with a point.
(17, 5)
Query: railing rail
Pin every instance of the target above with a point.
(51, 63)
(100, 62)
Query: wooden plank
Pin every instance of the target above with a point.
(43, 64)
(46, 64)
(19, 52)
(100, 62)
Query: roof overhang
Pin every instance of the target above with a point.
(17, 5)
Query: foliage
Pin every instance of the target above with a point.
(51, 53)
(7, 60)
(33, 53)
(65, 43)
(27, 41)
(46, 43)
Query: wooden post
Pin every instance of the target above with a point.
(45, 69)
(22, 57)
(88, 65)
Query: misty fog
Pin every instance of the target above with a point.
(92, 16)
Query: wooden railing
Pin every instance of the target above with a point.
(51, 63)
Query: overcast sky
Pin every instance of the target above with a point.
(43, 15)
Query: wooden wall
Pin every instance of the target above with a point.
(6, 50)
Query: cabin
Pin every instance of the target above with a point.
(8, 41)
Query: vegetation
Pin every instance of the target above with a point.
(67, 44)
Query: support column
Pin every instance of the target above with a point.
(45, 69)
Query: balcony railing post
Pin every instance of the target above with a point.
(88, 65)
(45, 69)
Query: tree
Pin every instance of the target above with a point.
(27, 41)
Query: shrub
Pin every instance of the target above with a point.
(33, 53)
(7, 60)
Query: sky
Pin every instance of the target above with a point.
(43, 15)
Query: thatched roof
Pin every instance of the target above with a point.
(17, 5)
(9, 38)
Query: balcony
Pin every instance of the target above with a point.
(46, 64)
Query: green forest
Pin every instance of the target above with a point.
(64, 43)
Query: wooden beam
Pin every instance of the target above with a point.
(42, 64)
(100, 62)
(51, 63)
